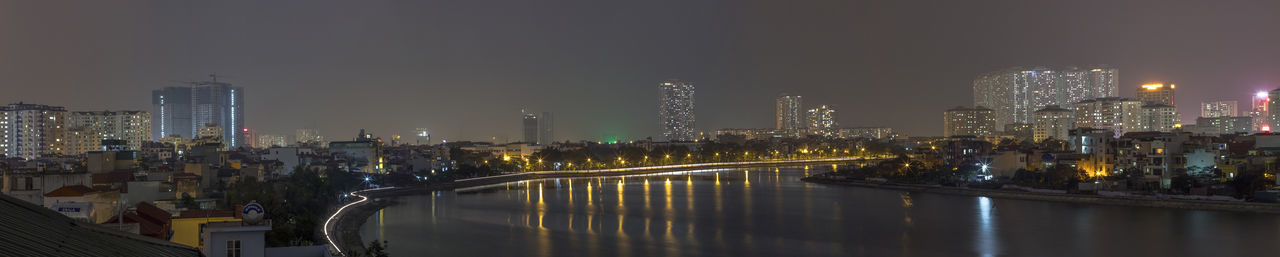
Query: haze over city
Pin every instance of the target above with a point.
(465, 69)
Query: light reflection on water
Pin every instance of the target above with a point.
(759, 213)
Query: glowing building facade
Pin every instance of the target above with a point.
(1216, 109)
(1052, 122)
(788, 112)
(133, 127)
(964, 121)
(1014, 94)
(219, 104)
(171, 113)
(32, 130)
(1118, 115)
(1260, 113)
(676, 110)
(1156, 93)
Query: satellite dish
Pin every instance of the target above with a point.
(252, 213)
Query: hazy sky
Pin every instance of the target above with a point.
(465, 69)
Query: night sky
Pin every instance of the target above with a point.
(465, 69)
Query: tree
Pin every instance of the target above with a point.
(188, 202)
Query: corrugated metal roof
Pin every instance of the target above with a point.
(30, 230)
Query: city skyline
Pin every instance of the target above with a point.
(411, 80)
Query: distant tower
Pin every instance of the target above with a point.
(423, 136)
(546, 129)
(675, 110)
(1216, 109)
(171, 113)
(789, 114)
(1261, 116)
(530, 128)
(219, 104)
(1156, 93)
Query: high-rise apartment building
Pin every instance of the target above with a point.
(1260, 112)
(1052, 122)
(32, 130)
(530, 122)
(309, 136)
(219, 104)
(1273, 102)
(789, 112)
(269, 141)
(422, 136)
(133, 127)
(80, 141)
(823, 117)
(965, 121)
(1216, 109)
(1224, 125)
(546, 128)
(676, 110)
(1015, 93)
(171, 113)
(1159, 117)
(1156, 93)
(1120, 115)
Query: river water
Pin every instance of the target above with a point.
(770, 212)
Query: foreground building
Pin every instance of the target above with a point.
(675, 110)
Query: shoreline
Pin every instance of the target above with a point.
(1203, 205)
(344, 236)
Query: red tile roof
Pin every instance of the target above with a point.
(69, 191)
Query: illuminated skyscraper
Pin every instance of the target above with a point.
(790, 114)
(964, 121)
(423, 136)
(1260, 113)
(1013, 94)
(1156, 93)
(823, 117)
(171, 113)
(219, 104)
(32, 130)
(676, 110)
(530, 122)
(1216, 109)
(1273, 102)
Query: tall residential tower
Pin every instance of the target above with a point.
(789, 112)
(171, 113)
(675, 110)
(219, 104)
(1014, 94)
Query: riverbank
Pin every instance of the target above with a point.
(342, 229)
(1268, 208)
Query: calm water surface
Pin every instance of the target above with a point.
(770, 212)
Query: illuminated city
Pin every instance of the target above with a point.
(647, 128)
